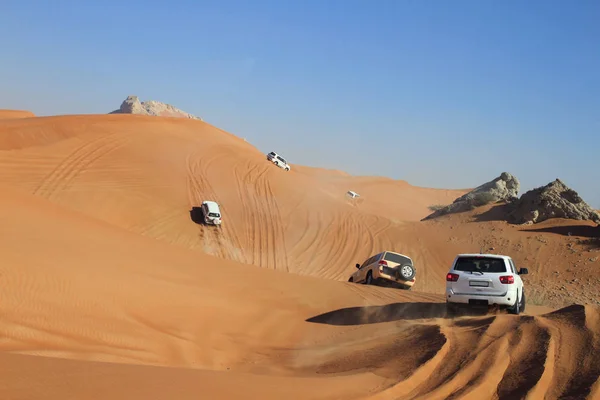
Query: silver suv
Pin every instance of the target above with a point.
(386, 268)
(278, 160)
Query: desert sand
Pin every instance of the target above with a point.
(111, 290)
(12, 114)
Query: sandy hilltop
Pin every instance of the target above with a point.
(112, 290)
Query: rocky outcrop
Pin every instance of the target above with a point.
(555, 200)
(503, 188)
(132, 105)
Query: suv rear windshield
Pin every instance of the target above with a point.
(396, 258)
(480, 264)
(217, 215)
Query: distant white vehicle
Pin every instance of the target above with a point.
(278, 160)
(352, 194)
(485, 279)
(211, 213)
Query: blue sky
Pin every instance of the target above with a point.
(441, 94)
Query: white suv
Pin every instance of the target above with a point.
(278, 160)
(212, 213)
(485, 279)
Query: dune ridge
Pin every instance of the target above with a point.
(110, 289)
(13, 114)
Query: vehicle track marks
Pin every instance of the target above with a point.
(215, 239)
(78, 161)
(344, 245)
(154, 227)
(251, 221)
(271, 223)
(262, 217)
(306, 246)
(278, 230)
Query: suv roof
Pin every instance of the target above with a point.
(212, 206)
(483, 255)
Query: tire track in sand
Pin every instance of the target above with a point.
(307, 242)
(335, 255)
(264, 228)
(253, 233)
(279, 243)
(214, 239)
(353, 242)
(82, 158)
(315, 254)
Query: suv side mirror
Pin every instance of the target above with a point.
(523, 271)
(357, 266)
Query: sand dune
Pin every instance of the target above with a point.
(81, 289)
(146, 175)
(111, 290)
(11, 114)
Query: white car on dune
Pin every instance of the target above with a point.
(211, 213)
(278, 160)
(485, 279)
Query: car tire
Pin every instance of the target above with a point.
(351, 280)
(406, 272)
(369, 280)
(523, 300)
(516, 308)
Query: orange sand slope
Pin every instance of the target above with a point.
(111, 290)
(78, 288)
(146, 174)
(10, 114)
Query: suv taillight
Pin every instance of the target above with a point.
(451, 277)
(382, 262)
(507, 280)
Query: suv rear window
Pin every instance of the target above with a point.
(480, 264)
(396, 258)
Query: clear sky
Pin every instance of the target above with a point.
(439, 93)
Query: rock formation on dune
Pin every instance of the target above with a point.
(555, 200)
(133, 105)
(503, 188)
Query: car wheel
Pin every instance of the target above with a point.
(406, 272)
(522, 300)
(351, 279)
(369, 280)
